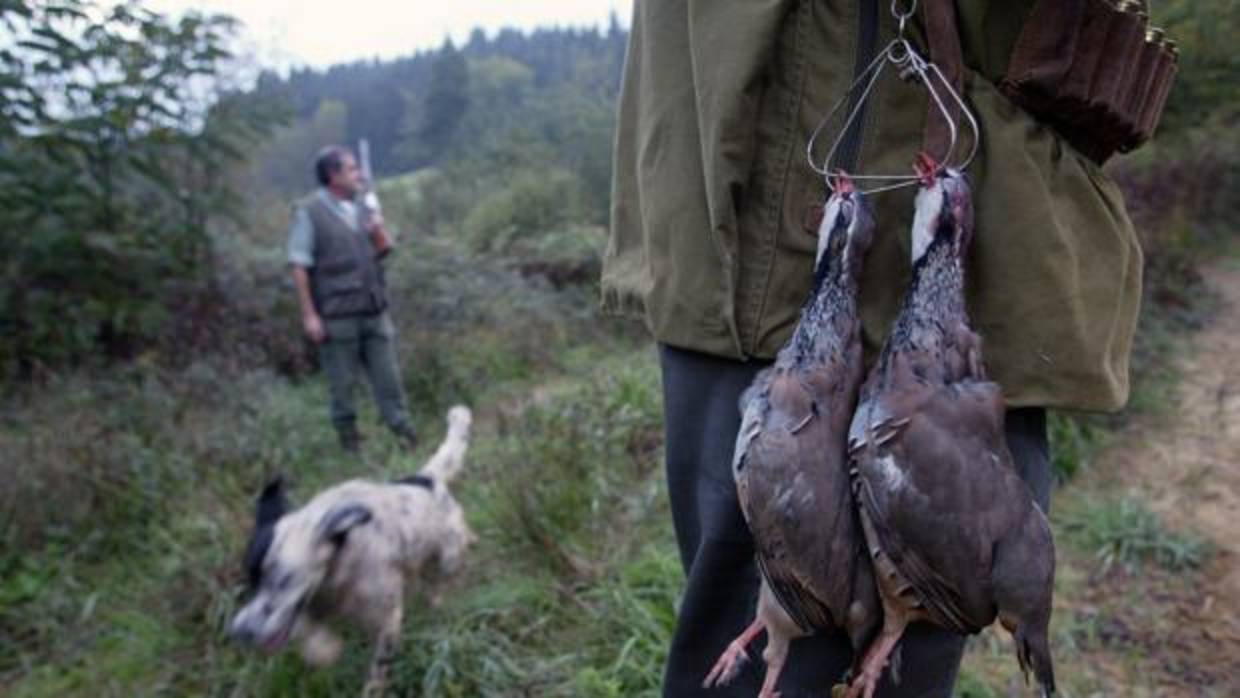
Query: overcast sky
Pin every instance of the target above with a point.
(318, 33)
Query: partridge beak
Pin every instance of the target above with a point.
(842, 184)
(925, 167)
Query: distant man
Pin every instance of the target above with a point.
(343, 301)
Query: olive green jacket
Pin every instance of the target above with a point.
(712, 186)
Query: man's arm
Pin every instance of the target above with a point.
(310, 320)
(300, 257)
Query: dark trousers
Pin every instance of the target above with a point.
(700, 395)
(356, 344)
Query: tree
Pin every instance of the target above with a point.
(445, 104)
(115, 131)
(284, 161)
(1205, 86)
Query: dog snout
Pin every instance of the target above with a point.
(242, 634)
(242, 628)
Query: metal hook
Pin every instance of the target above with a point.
(965, 112)
(900, 53)
(899, 13)
(902, 16)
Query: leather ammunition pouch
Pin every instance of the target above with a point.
(1094, 71)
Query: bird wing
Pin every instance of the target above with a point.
(937, 497)
(754, 407)
(796, 497)
(793, 596)
(753, 404)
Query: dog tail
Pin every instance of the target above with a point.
(450, 456)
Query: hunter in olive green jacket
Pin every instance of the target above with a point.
(712, 187)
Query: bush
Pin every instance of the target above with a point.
(1124, 531)
(1183, 195)
(531, 203)
(107, 185)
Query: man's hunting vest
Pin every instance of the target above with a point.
(345, 279)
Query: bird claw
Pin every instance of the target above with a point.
(863, 687)
(727, 667)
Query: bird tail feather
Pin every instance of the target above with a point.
(1033, 653)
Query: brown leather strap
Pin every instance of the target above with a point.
(943, 39)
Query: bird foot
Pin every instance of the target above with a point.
(865, 684)
(728, 665)
(734, 657)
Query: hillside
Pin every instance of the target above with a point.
(153, 374)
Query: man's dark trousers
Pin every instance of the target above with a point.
(701, 418)
(363, 343)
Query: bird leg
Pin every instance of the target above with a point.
(780, 631)
(734, 657)
(876, 657)
(775, 655)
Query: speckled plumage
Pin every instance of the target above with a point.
(954, 534)
(789, 464)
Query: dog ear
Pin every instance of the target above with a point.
(337, 523)
(272, 504)
(256, 553)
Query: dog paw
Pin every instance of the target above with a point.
(321, 648)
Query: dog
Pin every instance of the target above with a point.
(349, 554)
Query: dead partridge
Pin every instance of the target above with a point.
(953, 531)
(790, 461)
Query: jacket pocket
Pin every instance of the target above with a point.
(348, 283)
(337, 267)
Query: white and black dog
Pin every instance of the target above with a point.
(349, 552)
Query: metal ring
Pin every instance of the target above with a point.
(899, 52)
(900, 14)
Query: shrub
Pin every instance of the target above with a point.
(1124, 531)
(532, 202)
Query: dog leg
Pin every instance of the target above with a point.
(439, 569)
(385, 652)
(320, 647)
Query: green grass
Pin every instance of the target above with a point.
(1074, 441)
(128, 496)
(133, 499)
(129, 521)
(1123, 531)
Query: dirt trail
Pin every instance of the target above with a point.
(1186, 463)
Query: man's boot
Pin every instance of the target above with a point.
(350, 440)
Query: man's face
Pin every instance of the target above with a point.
(348, 179)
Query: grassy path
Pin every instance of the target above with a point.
(1148, 598)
